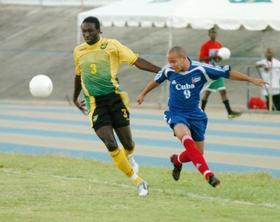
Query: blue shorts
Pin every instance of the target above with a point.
(196, 125)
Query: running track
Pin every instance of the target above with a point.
(248, 144)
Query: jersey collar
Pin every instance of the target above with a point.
(95, 44)
(190, 63)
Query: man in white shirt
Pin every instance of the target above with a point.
(269, 68)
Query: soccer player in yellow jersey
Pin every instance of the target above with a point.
(97, 63)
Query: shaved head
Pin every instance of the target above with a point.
(178, 50)
(177, 58)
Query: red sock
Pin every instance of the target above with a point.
(183, 157)
(195, 156)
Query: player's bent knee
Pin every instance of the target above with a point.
(111, 148)
(111, 145)
(223, 92)
(129, 145)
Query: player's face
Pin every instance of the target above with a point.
(269, 54)
(213, 35)
(90, 33)
(177, 62)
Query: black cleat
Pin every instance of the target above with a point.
(177, 168)
(214, 181)
(234, 114)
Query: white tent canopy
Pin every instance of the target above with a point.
(253, 15)
(197, 14)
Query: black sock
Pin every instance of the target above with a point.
(203, 104)
(226, 103)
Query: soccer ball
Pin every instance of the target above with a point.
(224, 53)
(40, 86)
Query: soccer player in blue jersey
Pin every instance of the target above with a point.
(184, 116)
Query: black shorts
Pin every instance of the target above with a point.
(110, 110)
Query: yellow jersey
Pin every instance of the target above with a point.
(98, 65)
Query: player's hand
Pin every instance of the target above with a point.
(259, 82)
(218, 58)
(81, 106)
(213, 54)
(267, 69)
(140, 99)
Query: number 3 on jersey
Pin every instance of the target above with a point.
(125, 115)
(93, 68)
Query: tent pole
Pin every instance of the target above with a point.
(166, 85)
(78, 33)
(170, 38)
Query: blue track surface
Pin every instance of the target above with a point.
(26, 115)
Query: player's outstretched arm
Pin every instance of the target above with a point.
(235, 75)
(149, 87)
(143, 64)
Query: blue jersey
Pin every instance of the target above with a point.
(185, 87)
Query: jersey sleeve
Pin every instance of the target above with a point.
(126, 55)
(215, 72)
(76, 63)
(261, 62)
(161, 76)
(277, 64)
(203, 52)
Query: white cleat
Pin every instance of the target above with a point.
(142, 189)
(134, 164)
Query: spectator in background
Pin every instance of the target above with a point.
(269, 69)
(208, 54)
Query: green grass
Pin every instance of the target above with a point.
(50, 188)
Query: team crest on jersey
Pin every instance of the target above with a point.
(103, 45)
(195, 79)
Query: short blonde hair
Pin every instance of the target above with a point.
(178, 50)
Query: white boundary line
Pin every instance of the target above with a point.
(187, 194)
(172, 192)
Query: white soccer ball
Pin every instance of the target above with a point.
(40, 86)
(224, 53)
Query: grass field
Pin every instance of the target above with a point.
(51, 188)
